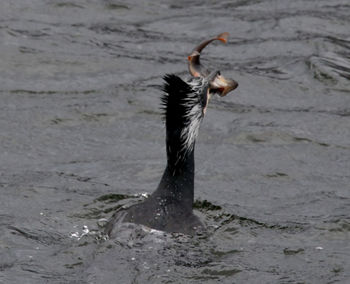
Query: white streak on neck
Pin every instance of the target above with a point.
(194, 115)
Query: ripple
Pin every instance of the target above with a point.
(41, 236)
(68, 5)
(275, 138)
(330, 67)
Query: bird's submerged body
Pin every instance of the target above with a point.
(170, 207)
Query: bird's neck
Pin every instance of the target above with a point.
(183, 104)
(177, 183)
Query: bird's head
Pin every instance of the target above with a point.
(218, 84)
(185, 104)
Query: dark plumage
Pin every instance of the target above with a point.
(181, 118)
(169, 208)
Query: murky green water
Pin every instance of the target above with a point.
(80, 121)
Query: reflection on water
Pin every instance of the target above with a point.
(81, 135)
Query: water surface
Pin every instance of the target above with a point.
(81, 129)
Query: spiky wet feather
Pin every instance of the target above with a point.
(183, 104)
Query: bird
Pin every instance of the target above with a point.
(184, 102)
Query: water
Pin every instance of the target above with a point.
(80, 131)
